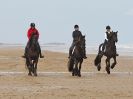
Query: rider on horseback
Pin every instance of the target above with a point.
(76, 35)
(32, 31)
(108, 36)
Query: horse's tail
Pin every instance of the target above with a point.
(99, 56)
(70, 64)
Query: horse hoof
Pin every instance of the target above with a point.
(112, 67)
(98, 68)
(29, 74)
(107, 69)
(79, 75)
(72, 74)
(108, 72)
(35, 75)
(76, 74)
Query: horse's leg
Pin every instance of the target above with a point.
(115, 62)
(30, 74)
(32, 66)
(73, 70)
(80, 64)
(99, 67)
(108, 65)
(28, 66)
(76, 68)
(35, 68)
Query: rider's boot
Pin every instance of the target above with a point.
(26, 49)
(40, 52)
(117, 54)
(41, 56)
(84, 53)
(84, 56)
(71, 50)
(70, 53)
(24, 56)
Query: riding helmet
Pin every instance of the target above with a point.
(108, 27)
(76, 26)
(32, 24)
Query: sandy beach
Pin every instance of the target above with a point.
(54, 81)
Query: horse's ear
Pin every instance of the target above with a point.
(116, 31)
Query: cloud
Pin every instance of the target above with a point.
(129, 12)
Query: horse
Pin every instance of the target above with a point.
(109, 52)
(32, 55)
(76, 60)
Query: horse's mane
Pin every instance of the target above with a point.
(30, 40)
(79, 47)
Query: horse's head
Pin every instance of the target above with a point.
(114, 36)
(34, 39)
(79, 47)
(81, 42)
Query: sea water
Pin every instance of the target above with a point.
(122, 49)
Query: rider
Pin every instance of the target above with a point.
(76, 35)
(108, 35)
(30, 32)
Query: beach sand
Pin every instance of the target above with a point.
(53, 85)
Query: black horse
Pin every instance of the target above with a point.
(75, 62)
(32, 55)
(109, 52)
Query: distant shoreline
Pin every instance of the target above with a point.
(123, 50)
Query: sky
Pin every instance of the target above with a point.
(55, 19)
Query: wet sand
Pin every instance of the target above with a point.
(50, 85)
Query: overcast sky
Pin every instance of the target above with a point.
(55, 19)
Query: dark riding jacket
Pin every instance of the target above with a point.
(109, 35)
(76, 34)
